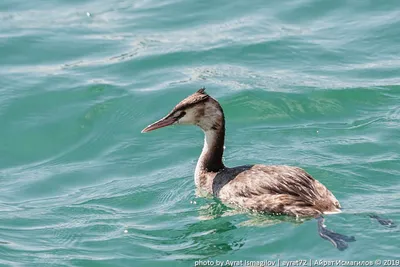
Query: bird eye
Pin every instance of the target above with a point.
(179, 114)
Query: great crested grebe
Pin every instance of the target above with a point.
(268, 189)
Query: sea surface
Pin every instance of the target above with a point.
(310, 83)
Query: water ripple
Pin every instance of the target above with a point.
(306, 82)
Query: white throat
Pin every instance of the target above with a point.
(209, 140)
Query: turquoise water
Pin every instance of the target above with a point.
(309, 83)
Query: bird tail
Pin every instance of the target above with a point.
(335, 211)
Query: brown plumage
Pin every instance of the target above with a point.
(274, 189)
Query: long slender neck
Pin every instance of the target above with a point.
(212, 122)
(210, 159)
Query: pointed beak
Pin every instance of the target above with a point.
(166, 121)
